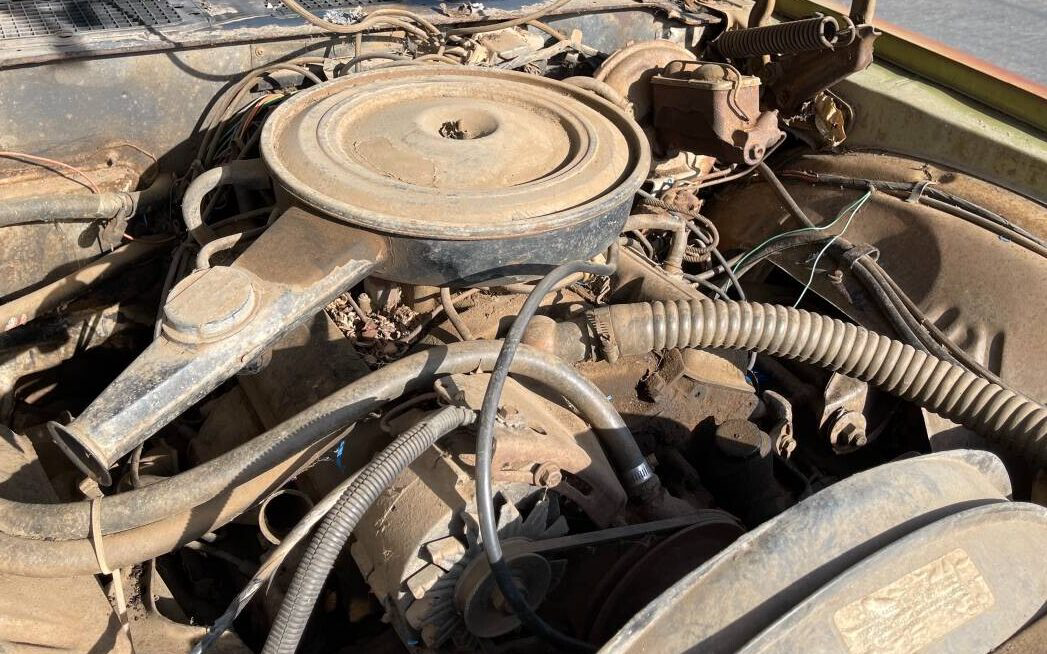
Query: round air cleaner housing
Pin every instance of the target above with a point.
(471, 175)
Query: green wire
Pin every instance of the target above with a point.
(803, 230)
(857, 205)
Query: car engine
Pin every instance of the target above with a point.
(631, 326)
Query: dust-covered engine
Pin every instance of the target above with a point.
(655, 327)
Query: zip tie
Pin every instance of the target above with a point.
(103, 565)
(917, 191)
(96, 535)
(855, 253)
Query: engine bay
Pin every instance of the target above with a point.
(584, 325)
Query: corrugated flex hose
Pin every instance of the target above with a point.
(1001, 415)
(333, 533)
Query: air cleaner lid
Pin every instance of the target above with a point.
(454, 152)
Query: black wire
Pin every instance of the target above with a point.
(485, 446)
(937, 199)
(908, 321)
(783, 195)
(937, 342)
(732, 277)
(707, 285)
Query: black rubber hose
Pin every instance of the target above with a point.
(634, 469)
(783, 194)
(937, 199)
(1001, 415)
(949, 350)
(81, 207)
(51, 540)
(333, 532)
(894, 314)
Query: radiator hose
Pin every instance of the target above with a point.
(54, 540)
(331, 536)
(1003, 416)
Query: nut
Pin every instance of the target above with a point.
(548, 475)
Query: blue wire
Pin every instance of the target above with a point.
(338, 455)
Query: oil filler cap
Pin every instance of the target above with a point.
(209, 305)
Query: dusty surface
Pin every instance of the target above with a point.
(379, 335)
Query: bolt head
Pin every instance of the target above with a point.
(548, 475)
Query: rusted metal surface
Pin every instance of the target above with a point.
(636, 279)
(230, 22)
(41, 252)
(781, 431)
(970, 283)
(993, 86)
(538, 442)
(155, 99)
(705, 388)
(28, 307)
(843, 413)
(445, 152)
(818, 33)
(629, 70)
(375, 168)
(417, 544)
(152, 100)
(714, 109)
(207, 340)
(795, 79)
(429, 179)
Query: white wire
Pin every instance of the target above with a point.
(270, 566)
(814, 266)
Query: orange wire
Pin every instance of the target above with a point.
(45, 162)
(253, 111)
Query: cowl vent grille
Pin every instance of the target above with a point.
(49, 18)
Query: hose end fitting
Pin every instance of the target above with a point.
(81, 452)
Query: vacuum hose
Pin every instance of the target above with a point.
(78, 207)
(53, 540)
(1001, 415)
(333, 533)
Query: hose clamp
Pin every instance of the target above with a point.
(603, 334)
(638, 475)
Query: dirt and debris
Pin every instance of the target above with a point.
(380, 335)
